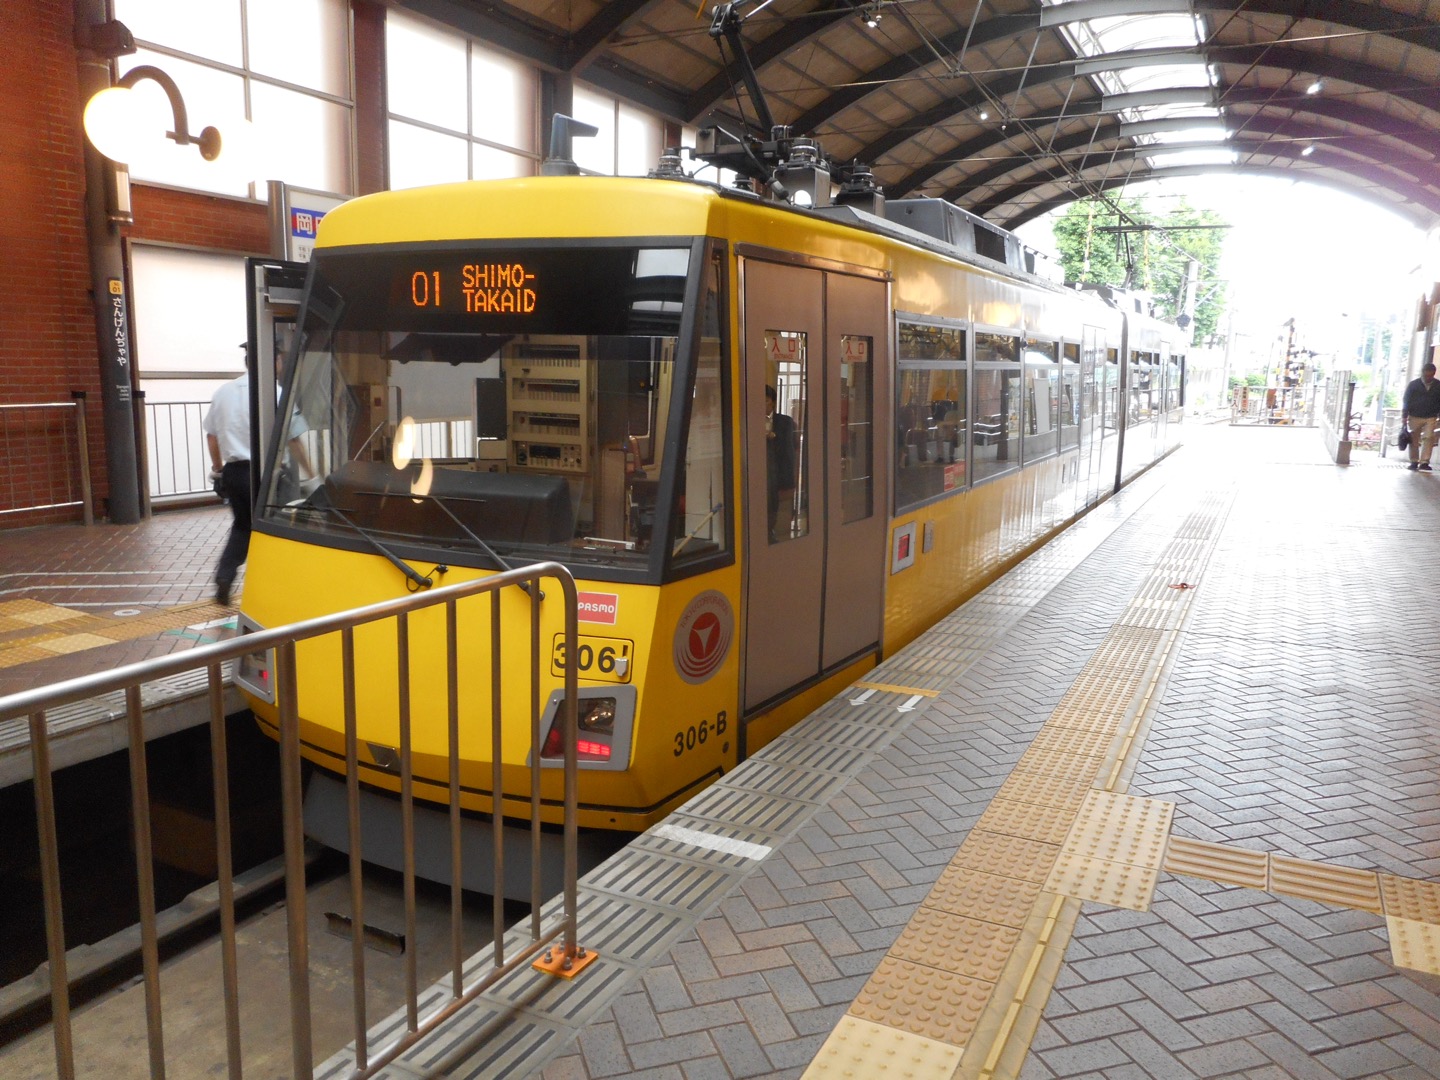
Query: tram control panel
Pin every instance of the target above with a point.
(550, 404)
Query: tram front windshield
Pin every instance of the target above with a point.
(497, 407)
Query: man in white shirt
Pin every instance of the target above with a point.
(227, 435)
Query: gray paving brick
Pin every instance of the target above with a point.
(699, 1018)
(1218, 1059)
(672, 1049)
(1367, 1059)
(1073, 1059)
(743, 1054)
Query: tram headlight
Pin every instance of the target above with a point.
(604, 721)
(254, 672)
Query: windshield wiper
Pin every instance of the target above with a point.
(420, 580)
(481, 544)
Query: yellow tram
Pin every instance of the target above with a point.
(773, 444)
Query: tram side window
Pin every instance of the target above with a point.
(931, 420)
(1142, 387)
(701, 514)
(857, 427)
(997, 404)
(1042, 399)
(1092, 375)
(1110, 391)
(1070, 395)
(787, 444)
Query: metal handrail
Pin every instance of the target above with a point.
(82, 458)
(35, 703)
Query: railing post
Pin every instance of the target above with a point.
(298, 938)
(142, 439)
(50, 888)
(82, 447)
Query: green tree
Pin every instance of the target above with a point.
(1121, 242)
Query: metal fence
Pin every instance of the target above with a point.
(1338, 420)
(46, 445)
(177, 461)
(1273, 405)
(369, 1059)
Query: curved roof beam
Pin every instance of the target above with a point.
(1284, 59)
(1030, 213)
(1100, 145)
(1376, 123)
(1348, 13)
(1332, 163)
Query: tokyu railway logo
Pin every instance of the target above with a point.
(702, 637)
(598, 607)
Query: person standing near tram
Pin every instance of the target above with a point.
(1419, 412)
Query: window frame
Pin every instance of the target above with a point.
(977, 367)
(964, 367)
(255, 189)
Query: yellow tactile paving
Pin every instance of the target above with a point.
(70, 631)
(956, 943)
(1342, 886)
(1072, 716)
(73, 643)
(1003, 900)
(1103, 881)
(1008, 856)
(1218, 862)
(1071, 741)
(922, 1000)
(1044, 789)
(1057, 763)
(860, 1048)
(31, 648)
(1414, 945)
(1121, 828)
(1407, 898)
(1034, 821)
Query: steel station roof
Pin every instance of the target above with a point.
(1011, 108)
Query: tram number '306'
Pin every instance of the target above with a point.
(699, 734)
(597, 658)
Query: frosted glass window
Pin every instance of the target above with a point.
(212, 98)
(419, 156)
(488, 163)
(189, 312)
(639, 142)
(426, 73)
(307, 138)
(302, 43)
(597, 153)
(504, 97)
(176, 25)
(299, 138)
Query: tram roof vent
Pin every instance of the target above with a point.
(959, 227)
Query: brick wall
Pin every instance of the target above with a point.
(47, 324)
(47, 321)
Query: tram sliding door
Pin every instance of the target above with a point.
(815, 520)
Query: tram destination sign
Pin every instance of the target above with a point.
(479, 288)
(589, 289)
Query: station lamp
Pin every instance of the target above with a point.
(116, 124)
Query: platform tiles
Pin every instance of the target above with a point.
(645, 899)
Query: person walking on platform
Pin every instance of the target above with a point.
(1419, 411)
(227, 435)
